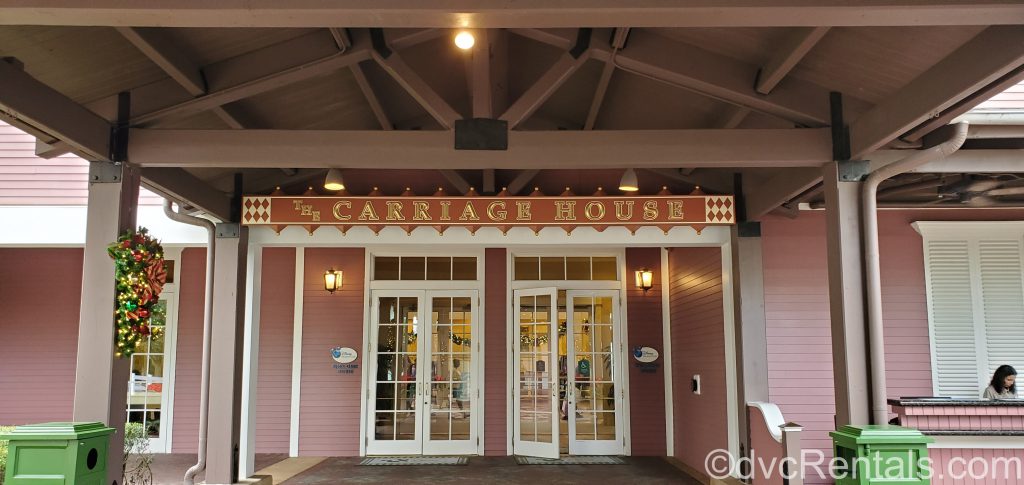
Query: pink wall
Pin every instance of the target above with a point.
(646, 390)
(797, 313)
(277, 316)
(38, 325)
(30, 180)
(329, 414)
(698, 347)
(189, 352)
(495, 352)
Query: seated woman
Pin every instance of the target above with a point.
(1002, 386)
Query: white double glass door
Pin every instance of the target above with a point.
(567, 367)
(423, 392)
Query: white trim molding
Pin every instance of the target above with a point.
(300, 274)
(978, 442)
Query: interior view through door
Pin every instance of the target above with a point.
(567, 373)
(424, 388)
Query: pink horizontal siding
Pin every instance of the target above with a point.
(798, 322)
(698, 347)
(990, 467)
(26, 179)
(329, 412)
(274, 371)
(646, 389)
(38, 333)
(189, 351)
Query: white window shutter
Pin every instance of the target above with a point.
(951, 308)
(1002, 302)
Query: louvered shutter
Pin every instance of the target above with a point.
(951, 308)
(1002, 302)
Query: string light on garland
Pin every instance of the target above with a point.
(139, 277)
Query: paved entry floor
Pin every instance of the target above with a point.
(493, 471)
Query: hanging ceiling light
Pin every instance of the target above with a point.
(628, 183)
(333, 181)
(464, 40)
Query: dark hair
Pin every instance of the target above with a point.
(1001, 373)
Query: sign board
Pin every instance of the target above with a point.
(645, 354)
(344, 355)
(503, 212)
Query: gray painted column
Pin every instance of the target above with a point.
(846, 296)
(750, 266)
(229, 286)
(101, 380)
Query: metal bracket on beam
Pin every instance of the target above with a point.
(748, 229)
(853, 170)
(228, 230)
(119, 131)
(104, 173)
(840, 130)
(380, 44)
(582, 42)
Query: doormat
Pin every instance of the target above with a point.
(571, 460)
(415, 460)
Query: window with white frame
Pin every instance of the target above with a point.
(974, 274)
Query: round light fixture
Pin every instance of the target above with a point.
(333, 181)
(628, 182)
(464, 40)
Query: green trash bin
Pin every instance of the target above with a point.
(881, 455)
(57, 453)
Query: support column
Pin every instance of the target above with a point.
(754, 339)
(846, 294)
(229, 288)
(250, 366)
(101, 380)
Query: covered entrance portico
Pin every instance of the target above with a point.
(208, 104)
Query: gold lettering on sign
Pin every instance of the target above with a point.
(419, 211)
(306, 210)
(624, 214)
(675, 210)
(368, 214)
(395, 211)
(337, 210)
(493, 210)
(469, 213)
(298, 204)
(650, 210)
(565, 210)
(592, 215)
(316, 216)
(523, 210)
(445, 206)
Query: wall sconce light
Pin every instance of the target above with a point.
(644, 279)
(332, 280)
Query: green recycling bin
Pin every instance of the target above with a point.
(881, 455)
(57, 453)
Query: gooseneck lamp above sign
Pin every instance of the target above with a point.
(332, 280)
(644, 279)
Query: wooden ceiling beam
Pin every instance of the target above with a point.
(480, 76)
(619, 36)
(371, 97)
(522, 179)
(765, 197)
(695, 69)
(527, 149)
(180, 185)
(540, 91)
(154, 44)
(984, 59)
(28, 101)
(797, 44)
(410, 80)
(523, 13)
(458, 181)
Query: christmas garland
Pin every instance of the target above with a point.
(457, 340)
(139, 277)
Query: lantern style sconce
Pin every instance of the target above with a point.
(332, 280)
(644, 279)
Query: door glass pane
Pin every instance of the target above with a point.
(146, 381)
(439, 268)
(577, 268)
(463, 268)
(552, 268)
(527, 269)
(385, 268)
(604, 268)
(451, 365)
(414, 268)
(535, 374)
(593, 389)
